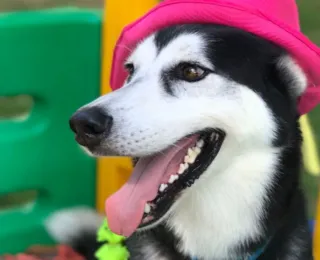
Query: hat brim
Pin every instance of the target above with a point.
(306, 53)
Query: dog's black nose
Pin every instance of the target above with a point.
(90, 126)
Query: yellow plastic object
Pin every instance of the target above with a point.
(312, 165)
(113, 172)
(309, 148)
(316, 236)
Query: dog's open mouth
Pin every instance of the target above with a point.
(157, 180)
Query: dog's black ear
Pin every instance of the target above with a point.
(291, 75)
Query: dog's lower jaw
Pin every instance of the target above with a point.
(212, 222)
(256, 201)
(220, 222)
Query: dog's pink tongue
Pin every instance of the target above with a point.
(125, 208)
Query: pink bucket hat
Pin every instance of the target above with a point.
(274, 20)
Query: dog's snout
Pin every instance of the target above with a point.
(90, 126)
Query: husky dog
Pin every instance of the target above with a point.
(211, 114)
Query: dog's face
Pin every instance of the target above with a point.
(196, 98)
(190, 78)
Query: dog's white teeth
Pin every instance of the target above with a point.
(194, 151)
(163, 187)
(200, 143)
(182, 168)
(152, 205)
(173, 178)
(197, 150)
(147, 208)
(186, 159)
(190, 158)
(186, 166)
(193, 158)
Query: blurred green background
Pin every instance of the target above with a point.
(12, 5)
(310, 22)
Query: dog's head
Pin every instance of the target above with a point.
(196, 98)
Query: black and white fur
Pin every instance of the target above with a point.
(251, 193)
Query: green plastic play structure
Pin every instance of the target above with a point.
(53, 57)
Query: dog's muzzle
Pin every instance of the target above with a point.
(91, 126)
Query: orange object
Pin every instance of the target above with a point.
(316, 236)
(113, 172)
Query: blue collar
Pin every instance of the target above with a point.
(258, 253)
(255, 256)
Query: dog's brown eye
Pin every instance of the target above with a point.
(191, 73)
